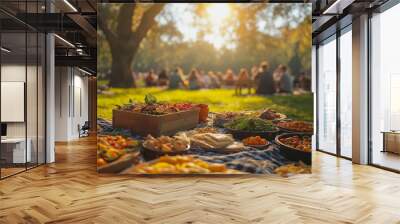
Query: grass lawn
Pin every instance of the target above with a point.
(296, 107)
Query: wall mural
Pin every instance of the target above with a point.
(210, 88)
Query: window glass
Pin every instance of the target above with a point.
(327, 96)
(385, 87)
(346, 94)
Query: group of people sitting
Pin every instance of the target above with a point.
(259, 77)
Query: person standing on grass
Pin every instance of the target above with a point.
(286, 83)
(266, 83)
(176, 79)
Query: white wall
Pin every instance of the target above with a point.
(71, 102)
(33, 127)
(12, 73)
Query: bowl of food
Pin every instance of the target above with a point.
(114, 153)
(292, 126)
(246, 126)
(295, 147)
(164, 145)
(221, 118)
(198, 131)
(269, 114)
(185, 164)
(256, 142)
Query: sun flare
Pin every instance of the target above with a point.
(218, 13)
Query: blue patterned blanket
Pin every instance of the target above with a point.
(252, 161)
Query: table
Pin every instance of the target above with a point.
(13, 150)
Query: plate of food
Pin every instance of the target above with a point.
(224, 143)
(246, 126)
(269, 114)
(295, 147)
(115, 153)
(256, 142)
(165, 145)
(221, 118)
(292, 126)
(181, 164)
(199, 131)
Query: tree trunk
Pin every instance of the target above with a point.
(125, 42)
(121, 71)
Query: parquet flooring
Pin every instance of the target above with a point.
(70, 191)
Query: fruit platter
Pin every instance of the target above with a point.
(114, 153)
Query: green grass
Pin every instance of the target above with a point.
(218, 100)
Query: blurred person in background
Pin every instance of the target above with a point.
(214, 80)
(205, 79)
(229, 79)
(286, 82)
(150, 79)
(194, 80)
(220, 77)
(176, 79)
(266, 83)
(255, 78)
(243, 81)
(277, 76)
(162, 78)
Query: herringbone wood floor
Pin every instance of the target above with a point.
(70, 191)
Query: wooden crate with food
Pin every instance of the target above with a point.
(156, 119)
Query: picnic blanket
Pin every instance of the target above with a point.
(254, 161)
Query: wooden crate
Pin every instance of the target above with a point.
(156, 125)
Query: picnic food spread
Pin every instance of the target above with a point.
(289, 169)
(222, 118)
(256, 140)
(199, 131)
(167, 144)
(180, 165)
(270, 114)
(296, 126)
(153, 107)
(250, 124)
(111, 148)
(229, 142)
(302, 143)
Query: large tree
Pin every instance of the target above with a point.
(124, 28)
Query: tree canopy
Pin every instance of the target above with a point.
(190, 36)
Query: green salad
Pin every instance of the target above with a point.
(250, 124)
